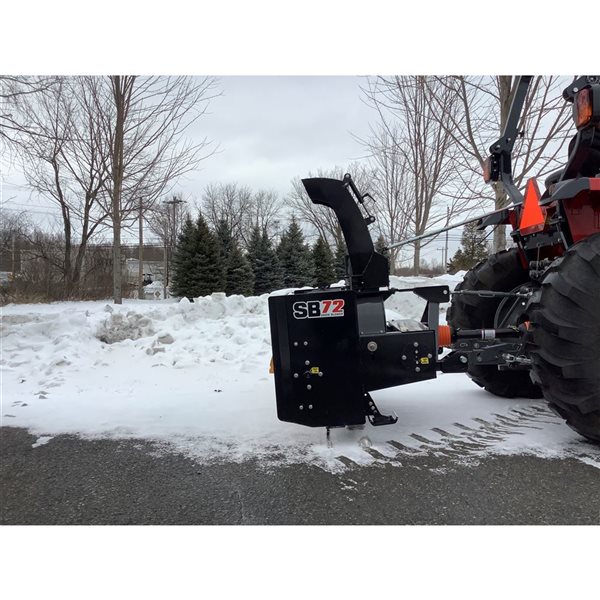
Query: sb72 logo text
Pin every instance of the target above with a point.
(317, 309)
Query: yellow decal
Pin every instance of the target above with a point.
(314, 370)
(424, 361)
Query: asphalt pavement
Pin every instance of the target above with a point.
(74, 481)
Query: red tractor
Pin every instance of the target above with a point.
(553, 272)
(525, 322)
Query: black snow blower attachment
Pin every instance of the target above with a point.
(333, 346)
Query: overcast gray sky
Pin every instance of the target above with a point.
(271, 129)
(268, 130)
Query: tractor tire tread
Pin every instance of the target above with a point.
(502, 271)
(565, 337)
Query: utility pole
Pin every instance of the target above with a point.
(165, 265)
(141, 254)
(13, 255)
(443, 251)
(446, 244)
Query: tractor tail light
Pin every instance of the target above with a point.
(583, 108)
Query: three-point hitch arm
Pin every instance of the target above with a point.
(499, 165)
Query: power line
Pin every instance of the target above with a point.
(28, 210)
(20, 204)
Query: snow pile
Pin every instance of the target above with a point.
(118, 327)
(194, 376)
(409, 305)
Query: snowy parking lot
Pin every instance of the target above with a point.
(193, 376)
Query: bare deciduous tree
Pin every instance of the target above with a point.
(61, 157)
(145, 120)
(13, 229)
(391, 187)
(12, 89)
(242, 210)
(483, 106)
(264, 212)
(36, 259)
(98, 146)
(428, 156)
(122, 90)
(228, 202)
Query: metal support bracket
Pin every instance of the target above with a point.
(375, 417)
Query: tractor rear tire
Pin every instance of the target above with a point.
(565, 337)
(501, 272)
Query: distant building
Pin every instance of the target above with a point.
(152, 270)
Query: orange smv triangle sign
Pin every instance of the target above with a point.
(532, 215)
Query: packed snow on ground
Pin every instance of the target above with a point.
(194, 377)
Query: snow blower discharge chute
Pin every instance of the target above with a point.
(525, 322)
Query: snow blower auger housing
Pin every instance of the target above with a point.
(333, 346)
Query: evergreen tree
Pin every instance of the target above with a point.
(239, 278)
(197, 270)
(253, 246)
(380, 246)
(224, 237)
(473, 249)
(340, 260)
(225, 243)
(183, 260)
(295, 257)
(209, 272)
(324, 263)
(237, 274)
(264, 262)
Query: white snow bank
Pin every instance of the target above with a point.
(194, 375)
(409, 305)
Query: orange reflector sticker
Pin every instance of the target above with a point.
(532, 215)
(271, 367)
(444, 336)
